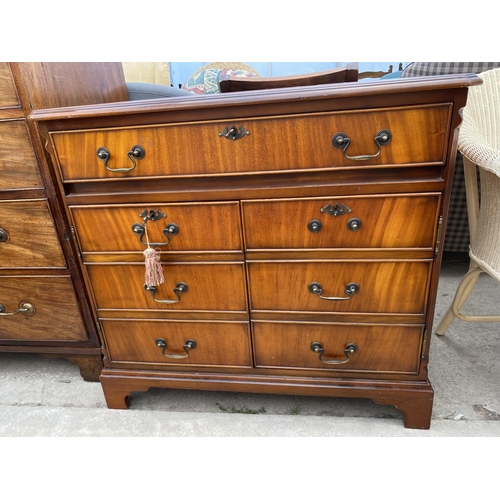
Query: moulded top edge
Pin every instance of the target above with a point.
(248, 98)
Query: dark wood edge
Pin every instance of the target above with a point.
(341, 74)
(337, 90)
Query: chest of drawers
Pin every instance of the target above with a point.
(298, 232)
(43, 306)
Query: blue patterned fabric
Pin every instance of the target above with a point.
(207, 81)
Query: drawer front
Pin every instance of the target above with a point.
(215, 343)
(210, 287)
(8, 93)
(170, 227)
(28, 237)
(418, 136)
(18, 165)
(50, 305)
(382, 286)
(402, 221)
(378, 348)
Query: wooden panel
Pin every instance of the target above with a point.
(226, 344)
(202, 227)
(384, 287)
(31, 236)
(381, 348)
(18, 165)
(418, 136)
(57, 316)
(212, 287)
(406, 221)
(61, 84)
(235, 83)
(8, 93)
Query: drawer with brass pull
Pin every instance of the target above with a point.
(28, 237)
(169, 227)
(383, 221)
(39, 308)
(369, 287)
(187, 287)
(392, 136)
(178, 342)
(330, 346)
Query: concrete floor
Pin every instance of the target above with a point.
(47, 397)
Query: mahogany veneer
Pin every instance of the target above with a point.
(299, 231)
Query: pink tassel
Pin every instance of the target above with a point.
(154, 270)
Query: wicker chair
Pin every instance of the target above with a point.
(479, 143)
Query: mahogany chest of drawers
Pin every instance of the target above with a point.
(298, 232)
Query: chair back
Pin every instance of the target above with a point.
(479, 141)
(479, 138)
(343, 74)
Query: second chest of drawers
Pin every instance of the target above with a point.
(43, 308)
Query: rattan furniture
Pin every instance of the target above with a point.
(479, 143)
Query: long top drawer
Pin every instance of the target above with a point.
(388, 136)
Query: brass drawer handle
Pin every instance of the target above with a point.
(136, 153)
(188, 344)
(350, 290)
(341, 141)
(314, 225)
(170, 230)
(4, 235)
(181, 287)
(24, 307)
(317, 347)
(150, 215)
(354, 224)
